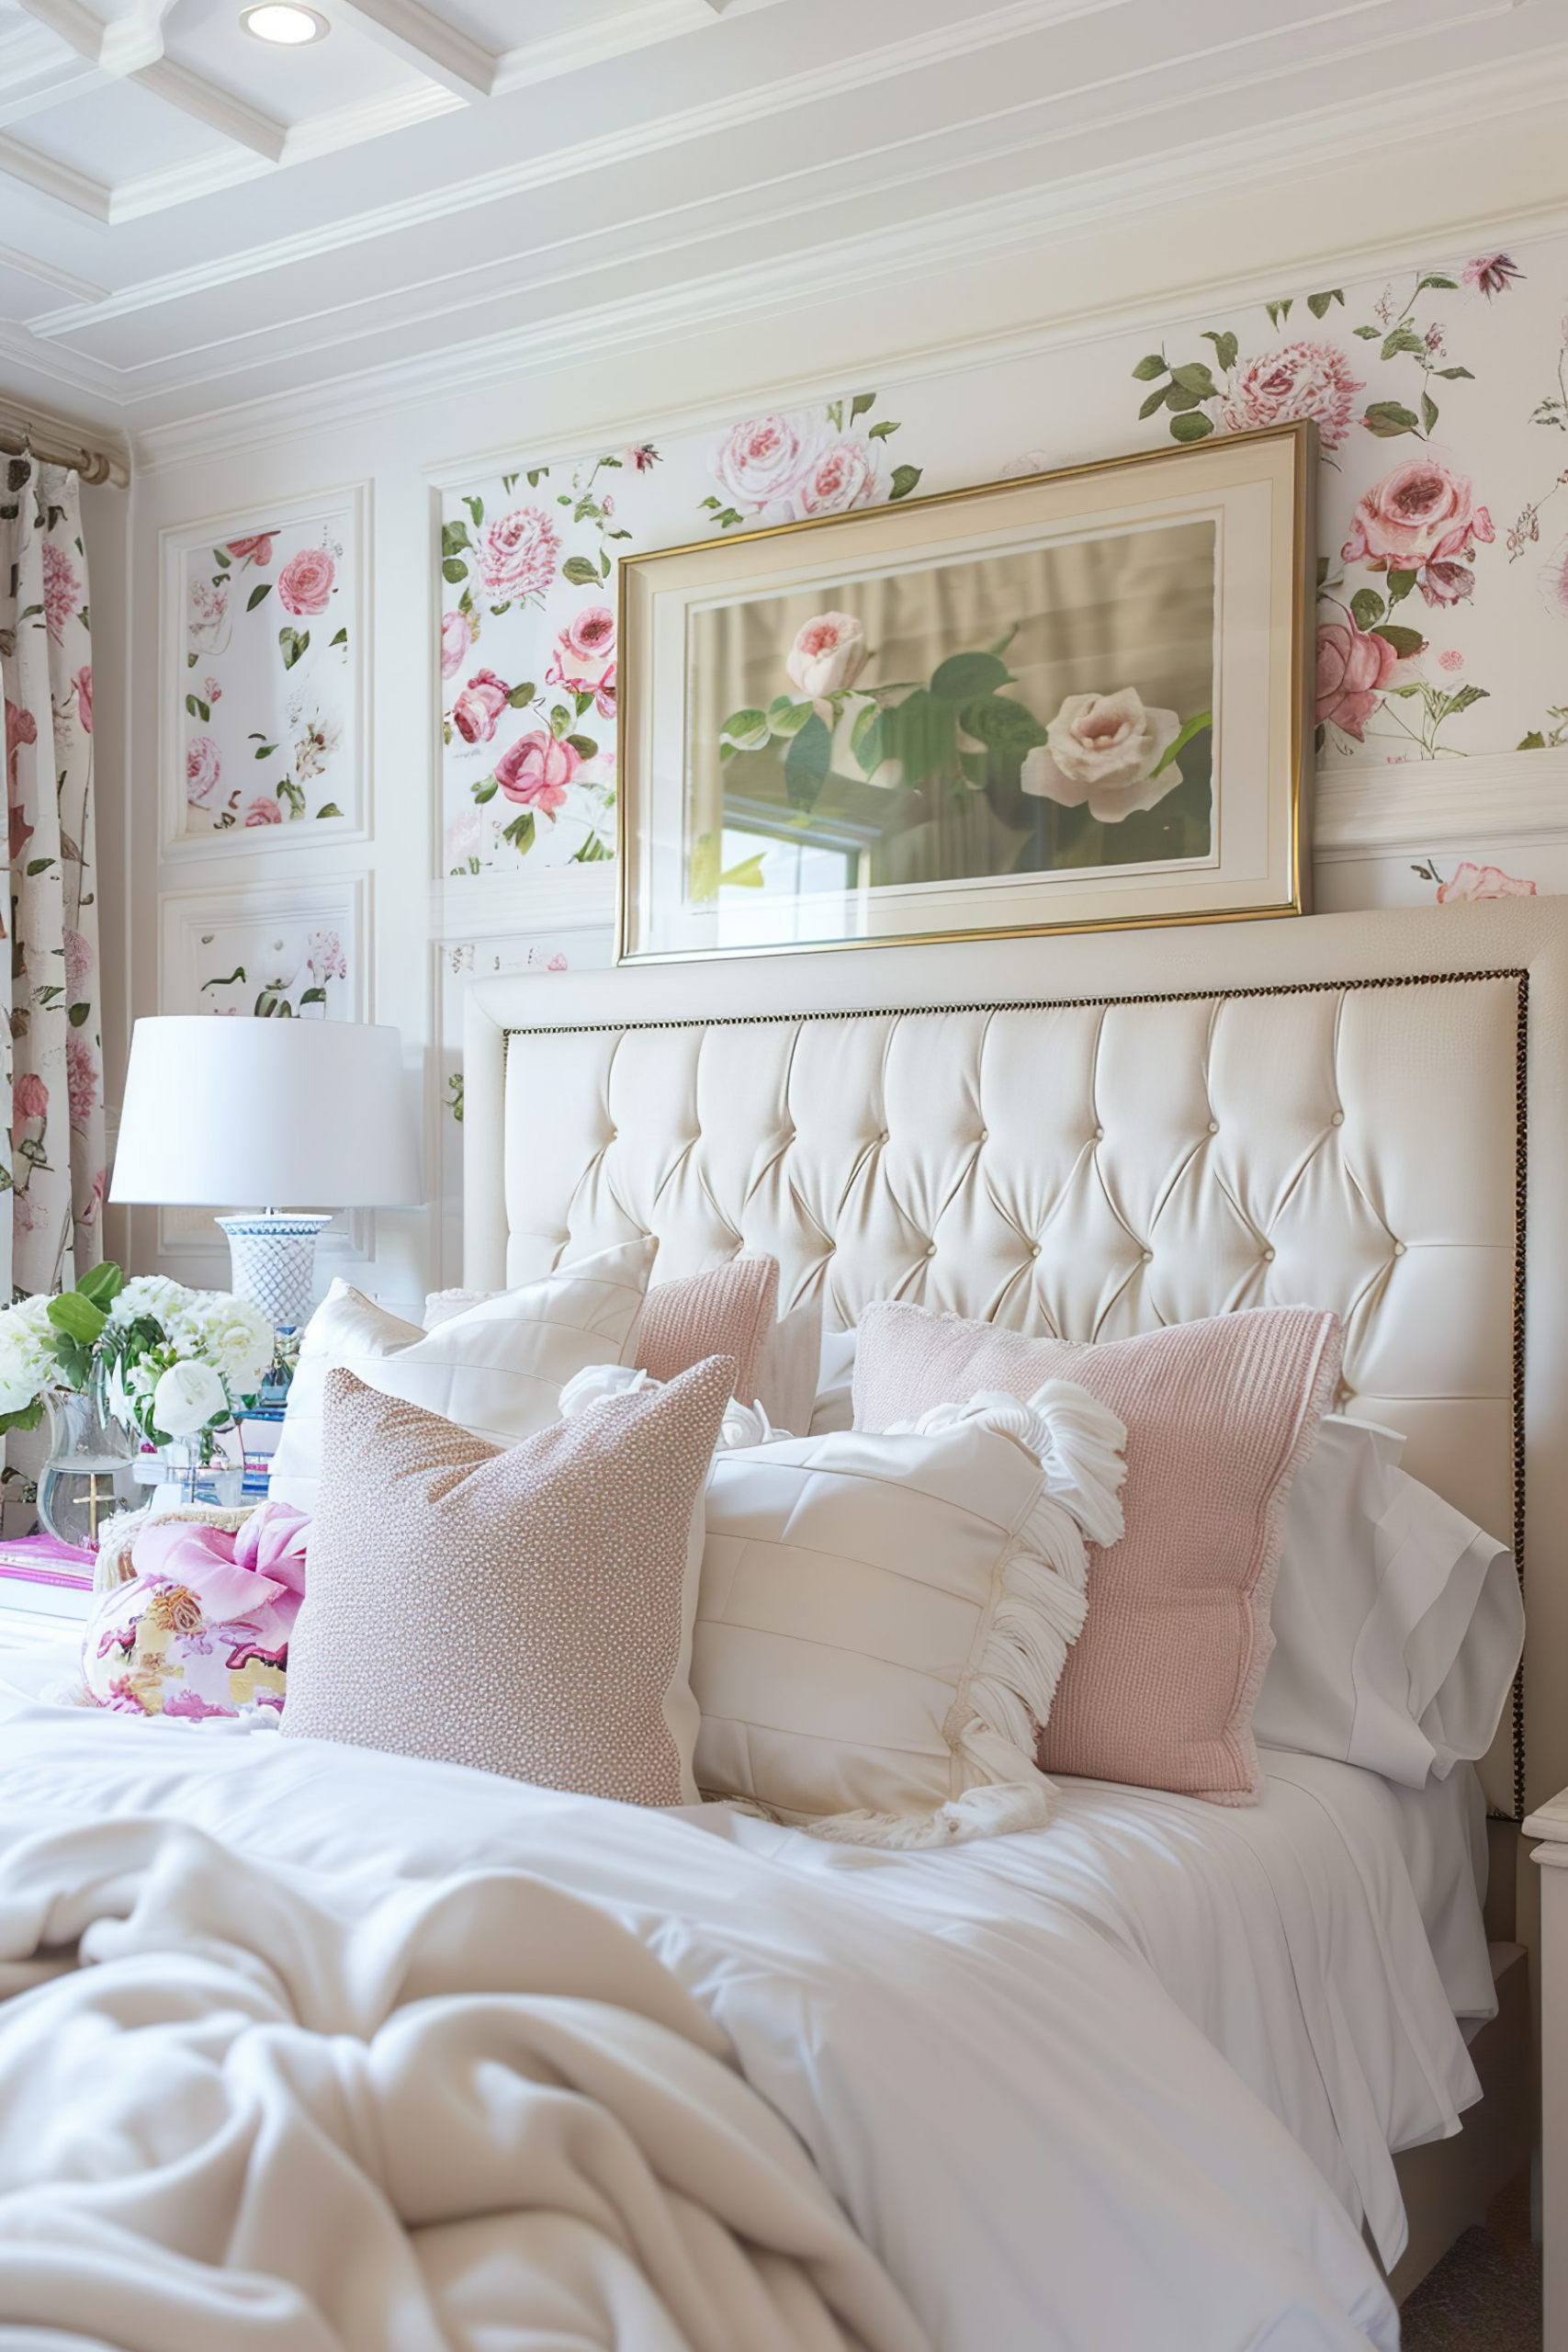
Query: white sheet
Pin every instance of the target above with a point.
(1025, 2127)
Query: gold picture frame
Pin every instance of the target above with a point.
(1075, 700)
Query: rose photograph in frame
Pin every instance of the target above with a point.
(1075, 700)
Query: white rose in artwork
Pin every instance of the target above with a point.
(828, 655)
(186, 1399)
(1104, 749)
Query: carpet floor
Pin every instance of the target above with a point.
(1484, 2296)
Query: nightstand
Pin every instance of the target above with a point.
(1550, 1826)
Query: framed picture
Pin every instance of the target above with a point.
(1066, 702)
(264, 720)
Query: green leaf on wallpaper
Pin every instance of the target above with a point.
(1388, 418)
(1193, 376)
(859, 405)
(1318, 303)
(191, 661)
(1182, 397)
(592, 852)
(583, 700)
(476, 507)
(806, 763)
(560, 719)
(1402, 339)
(39, 865)
(581, 570)
(603, 559)
(77, 1013)
(1366, 606)
(963, 676)
(1400, 584)
(1428, 411)
(1534, 742)
(1464, 698)
(1321, 570)
(522, 695)
(1195, 426)
(535, 476)
(904, 481)
(327, 809)
(520, 832)
(292, 643)
(342, 637)
(452, 571)
(1226, 346)
(1443, 285)
(222, 559)
(486, 789)
(1154, 400)
(455, 537)
(1279, 311)
(880, 432)
(313, 996)
(584, 746)
(1453, 375)
(258, 595)
(1404, 640)
(1151, 365)
(1369, 334)
(266, 751)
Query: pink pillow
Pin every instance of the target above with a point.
(202, 1625)
(729, 1311)
(1159, 1688)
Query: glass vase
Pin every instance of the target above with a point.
(89, 1473)
(205, 1469)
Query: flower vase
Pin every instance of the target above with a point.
(209, 1468)
(89, 1473)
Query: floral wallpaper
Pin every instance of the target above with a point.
(1442, 397)
(268, 716)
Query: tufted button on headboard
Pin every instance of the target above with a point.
(1088, 1163)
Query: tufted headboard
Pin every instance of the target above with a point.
(1093, 1135)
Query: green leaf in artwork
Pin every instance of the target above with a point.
(1156, 400)
(1404, 640)
(963, 675)
(1400, 584)
(880, 432)
(520, 832)
(453, 572)
(806, 763)
(523, 694)
(581, 570)
(476, 507)
(1387, 419)
(292, 643)
(453, 537)
(1195, 426)
(584, 746)
(1193, 726)
(1318, 303)
(747, 876)
(788, 717)
(486, 789)
(1366, 606)
(746, 730)
(342, 637)
(1193, 376)
(77, 1013)
(1005, 727)
(904, 481)
(327, 809)
(1226, 346)
(859, 405)
(1151, 365)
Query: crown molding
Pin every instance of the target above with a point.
(407, 30)
(35, 170)
(121, 44)
(188, 94)
(47, 273)
(1370, 809)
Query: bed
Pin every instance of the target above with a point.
(1138, 2076)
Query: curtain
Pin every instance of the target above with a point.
(54, 1141)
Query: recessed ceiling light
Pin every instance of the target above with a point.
(281, 21)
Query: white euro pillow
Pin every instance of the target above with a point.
(1397, 1621)
(882, 1619)
(497, 1368)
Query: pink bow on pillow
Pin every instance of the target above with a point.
(203, 1626)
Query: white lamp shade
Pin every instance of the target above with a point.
(227, 1111)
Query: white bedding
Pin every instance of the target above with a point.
(1003, 2058)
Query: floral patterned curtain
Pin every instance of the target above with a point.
(51, 1150)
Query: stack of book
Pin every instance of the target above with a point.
(45, 1579)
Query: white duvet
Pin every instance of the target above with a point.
(1023, 2124)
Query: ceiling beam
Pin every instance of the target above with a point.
(185, 91)
(435, 48)
(121, 43)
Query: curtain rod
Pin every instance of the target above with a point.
(19, 440)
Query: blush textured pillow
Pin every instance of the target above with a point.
(498, 1368)
(526, 1610)
(1160, 1686)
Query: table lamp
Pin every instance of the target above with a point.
(226, 1108)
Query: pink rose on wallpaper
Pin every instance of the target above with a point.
(258, 550)
(1471, 881)
(212, 690)
(1355, 668)
(1423, 518)
(203, 765)
(518, 553)
(61, 589)
(1491, 274)
(761, 461)
(263, 810)
(21, 727)
(83, 683)
(325, 955)
(536, 770)
(80, 1077)
(1302, 379)
(78, 964)
(584, 651)
(605, 694)
(829, 654)
(456, 636)
(479, 707)
(29, 1099)
(306, 581)
(840, 477)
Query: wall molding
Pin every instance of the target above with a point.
(1365, 809)
(560, 898)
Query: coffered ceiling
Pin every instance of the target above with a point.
(191, 219)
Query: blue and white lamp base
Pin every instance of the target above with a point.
(272, 1262)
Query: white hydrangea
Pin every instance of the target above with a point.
(229, 1333)
(28, 1363)
(151, 1295)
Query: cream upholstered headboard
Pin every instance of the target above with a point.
(1095, 1135)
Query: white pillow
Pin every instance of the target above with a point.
(497, 1369)
(833, 1407)
(882, 1619)
(1397, 1622)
